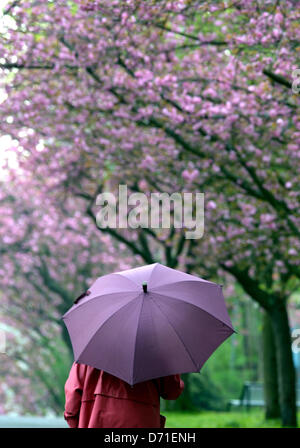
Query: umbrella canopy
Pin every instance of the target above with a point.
(148, 322)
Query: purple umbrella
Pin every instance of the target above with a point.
(148, 322)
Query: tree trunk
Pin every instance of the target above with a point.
(285, 365)
(246, 339)
(272, 408)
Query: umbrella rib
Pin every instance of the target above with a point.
(137, 329)
(195, 280)
(170, 323)
(123, 276)
(198, 307)
(151, 275)
(99, 296)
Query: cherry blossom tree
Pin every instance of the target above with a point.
(48, 258)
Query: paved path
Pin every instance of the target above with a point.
(32, 422)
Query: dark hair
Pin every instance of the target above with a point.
(86, 293)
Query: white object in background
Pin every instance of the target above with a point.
(2, 341)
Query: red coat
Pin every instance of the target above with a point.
(96, 399)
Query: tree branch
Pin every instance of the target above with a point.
(250, 285)
(279, 79)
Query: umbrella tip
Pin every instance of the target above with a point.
(145, 286)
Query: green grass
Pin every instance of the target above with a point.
(210, 419)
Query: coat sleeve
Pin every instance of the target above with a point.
(171, 387)
(73, 393)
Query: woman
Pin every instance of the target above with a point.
(96, 399)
